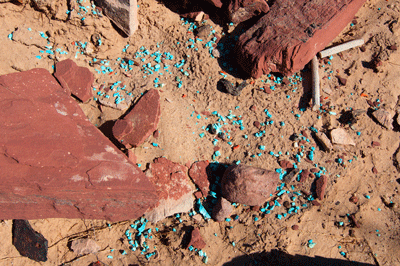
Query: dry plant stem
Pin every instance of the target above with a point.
(341, 47)
(315, 83)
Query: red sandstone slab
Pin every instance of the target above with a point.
(140, 122)
(291, 33)
(75, 80)
(173, 188)
(55, 163)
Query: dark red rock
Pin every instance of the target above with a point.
(140, 122)
(295, 227)
(291, 34)
(173, 188)
(267, 90)
(354, 220)
(374, 170)
(55, 163)
(304, 175)
(255, 208)
(285, 164)
(314, 170)
(242, 10)
(354, 199)
(196, 240)
(315, 203)
(28, 242)
(253, 108)
(222, 210)
(256, 124)
(75, 80)
(248, 185)
(198, 173)
(393, 47)
(363, 48)
(375, 144)
(156, 133)
(321, 184)
(342, 81)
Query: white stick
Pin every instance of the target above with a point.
(341, 47)
(315, 83)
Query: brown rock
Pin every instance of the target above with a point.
(375, 144)
(198, 173)
(267, 90)
(248, 185)
(285, 164)
(295, 227)
(56, 162)
(84, 246)
(354, 199)
(341, 137)
(75, 80)
(321, 184)
(256, 124)
(255, 208)
(140, 122)
(315, 203)
(221, 210)
(291, 33)
(314, 170)
(173, 188)
(304, 175)
(374, 170)
(342, 81)
(384, 117)
(196, 240)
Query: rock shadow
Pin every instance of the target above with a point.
(278, 258)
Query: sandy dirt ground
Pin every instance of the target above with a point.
(191, 100)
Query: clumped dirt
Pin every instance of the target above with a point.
(358, 219)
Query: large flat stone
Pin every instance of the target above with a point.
(291, 33)
(122, 12)
(55, 163)
(173, 188)
(140, 122)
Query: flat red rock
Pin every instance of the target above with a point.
(75, 80)
(140, 122)
(198, 173)
(292, 33)
(55, 163)
(173, 188)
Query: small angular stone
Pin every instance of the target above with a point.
(84, 246)
(374, 170)
(173, 188)
(248, 185)
(384, 117)
(222, 210)
(198, 173)
(285, 164)
(321, 184)
(140, 122)
(196, 240)
(341, 137)
(122, 12)
(28, 242)
(75, 80)
(325, 142)
(375, 144)
(304, 175)
(342, 81)
(295, 227)
(354, 199)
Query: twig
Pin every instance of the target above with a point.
(341, 47)
(315, 83)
